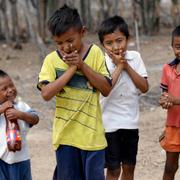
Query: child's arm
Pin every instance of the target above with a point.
(140, 82)
(116, 74)
(118, 61)
(13, 113)
(51, 89)
(167, 100)
(176, 101)
(97, 80)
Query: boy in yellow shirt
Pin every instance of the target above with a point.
(76, 74)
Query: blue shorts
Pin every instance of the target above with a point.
(16, 171)
(76, 164)
(122, 148)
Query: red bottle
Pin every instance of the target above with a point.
(13, 136)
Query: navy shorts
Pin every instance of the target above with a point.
(122, 148)
(16, 171)
(76, 164)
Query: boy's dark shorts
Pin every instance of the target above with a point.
(77, 164)
(122, 148)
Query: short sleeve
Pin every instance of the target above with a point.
(164, 78)
(102, 67)
(22, 106)
(141, 70)
(47, 73)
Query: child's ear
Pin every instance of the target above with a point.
(83, 30)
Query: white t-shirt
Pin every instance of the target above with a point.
(120, 109)
(23, 154)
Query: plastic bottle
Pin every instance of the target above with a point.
(13, 136)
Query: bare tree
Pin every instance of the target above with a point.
(150, 15)
(86, 12)
(104, 8)
(175, 12)
(3, 7)
(41, 16)
(15, 24)
(113, 6)
(1, 31)
(33, 29)
(136, 23)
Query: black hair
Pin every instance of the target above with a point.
(63, 19)
(175, 33)
(112, 24)
(3, 74)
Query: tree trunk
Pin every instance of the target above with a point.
(104, 9)
(136, 24)
(34, 32)
(1, 31)
(86, 13)
(150, 15)
(113, 7)
(175, 12)
(41, 16)
(5, 18)
(15, 24)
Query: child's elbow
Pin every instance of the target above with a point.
(106, 91)
(36, 120)
(45, 96)
(145, 89)
(105, 94)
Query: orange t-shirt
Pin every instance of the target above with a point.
(170, 82)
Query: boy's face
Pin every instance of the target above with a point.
(7, 89)
(115, 42)
(70, 40)
(176, 46)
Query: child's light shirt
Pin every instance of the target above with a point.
(170, 82)
(78, 118)
(23, 154)
(121, 108)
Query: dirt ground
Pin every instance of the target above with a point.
(24, 66)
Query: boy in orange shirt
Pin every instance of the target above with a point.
(170, 100)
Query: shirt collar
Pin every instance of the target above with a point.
(174, 62)
(129, 56)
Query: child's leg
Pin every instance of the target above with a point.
(113, 174)
(113, 154)
(69, 164)
(93, 164)
(171, 165)
(131, 138)
(76, 164)
(16, 171)
(128, 172)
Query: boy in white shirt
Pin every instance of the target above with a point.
(121, 108)
(14, 165)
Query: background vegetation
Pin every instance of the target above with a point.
(25, 20)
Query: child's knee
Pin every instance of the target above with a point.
(171, 168)
(114, 173)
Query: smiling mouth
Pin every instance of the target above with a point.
(11, 97)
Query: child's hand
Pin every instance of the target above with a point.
(12, 114)
(6, 105)
(118, 59)
(166, 100)
(73, 59)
